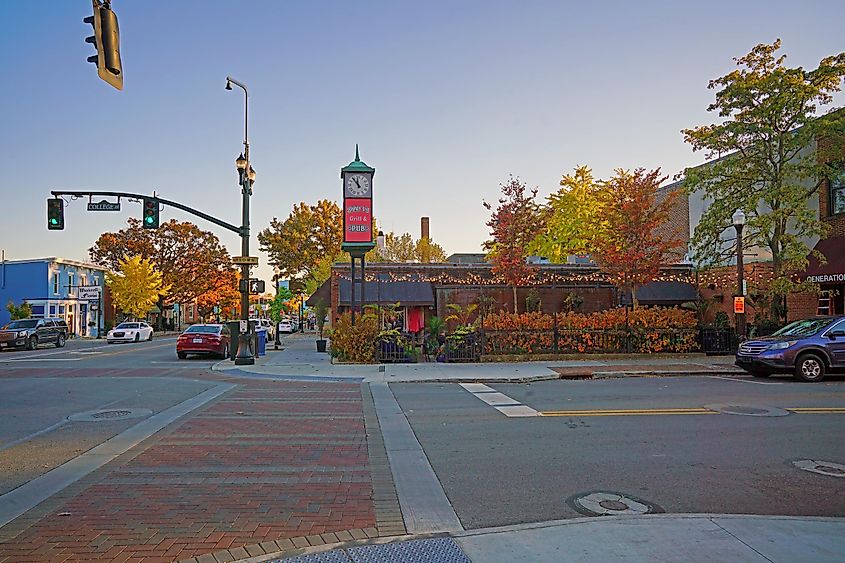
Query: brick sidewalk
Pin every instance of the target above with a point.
(280, 464)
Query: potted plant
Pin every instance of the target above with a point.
(320, 311)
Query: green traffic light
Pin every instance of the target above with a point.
(149, 220)
(54, 221)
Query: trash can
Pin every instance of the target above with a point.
(262, 341)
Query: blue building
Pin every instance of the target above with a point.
(51, 287)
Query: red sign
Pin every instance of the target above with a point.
(357, 220)
(739, 304)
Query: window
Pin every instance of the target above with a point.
(69, 283)
(837, 193)
(56, 283)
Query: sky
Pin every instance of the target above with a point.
(445, 98)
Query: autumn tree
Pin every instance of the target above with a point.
(280, 304)
(403, 248)
(16, 312)
(573, 217)
(136, 285)
(223, 293)
(187, 257)
(515, 223)
(633, 245)
(765, 167)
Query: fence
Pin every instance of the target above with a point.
(583, 341)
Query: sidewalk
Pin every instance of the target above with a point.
(683, 538)
(299, 359)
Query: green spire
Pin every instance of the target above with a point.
(357, 165)
(357, 158)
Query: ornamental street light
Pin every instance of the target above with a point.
(739, 223)
(246, 175)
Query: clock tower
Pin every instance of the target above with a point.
(358, 237)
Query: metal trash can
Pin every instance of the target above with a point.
(261, 333)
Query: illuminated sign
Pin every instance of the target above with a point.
(357, 220)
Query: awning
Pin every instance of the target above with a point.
(663, 293)
(408, 293)
(834, 271)
(323, 293)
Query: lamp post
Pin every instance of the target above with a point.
(739, 222)
(247, 179)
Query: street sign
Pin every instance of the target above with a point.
(93, 305)
(244, 327)
(739, 304)
(245, 260)
(89, 293)
(104, 206)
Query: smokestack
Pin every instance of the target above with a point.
(424, 232)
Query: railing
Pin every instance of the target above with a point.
(589, 341)
(396, 350)
(718, 341)
(460, 347)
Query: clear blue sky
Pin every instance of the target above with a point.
(445, 98)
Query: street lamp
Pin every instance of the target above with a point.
(246, 176)
(739, 222)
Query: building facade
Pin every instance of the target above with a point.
(51, 287)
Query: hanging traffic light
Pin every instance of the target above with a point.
(55, 214)
(106, 40)
(150, 220)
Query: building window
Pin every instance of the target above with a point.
(69, 283)
(191, 312)
(837, 193)
(56, 283)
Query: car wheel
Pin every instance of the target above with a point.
(150, 339)
(60, 341)
(224, 351)
(809, 368)
(32, 343)
(137, 337)
(181, 355)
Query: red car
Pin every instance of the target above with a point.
(204, 339)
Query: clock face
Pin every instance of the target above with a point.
(358, 185)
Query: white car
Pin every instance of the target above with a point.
(285, 326)
(130, 332)
(265, 324)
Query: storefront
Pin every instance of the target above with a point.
(829, 276)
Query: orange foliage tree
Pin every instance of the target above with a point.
(223, 292)
(631, 249)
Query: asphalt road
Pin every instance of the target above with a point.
(41, 389)
(498, 470)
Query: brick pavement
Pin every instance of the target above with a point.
(272, 464)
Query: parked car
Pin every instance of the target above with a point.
(808, 349)
(130, 332)
(205, 339)
(29, 333)
(285, 326)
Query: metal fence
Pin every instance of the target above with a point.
(589, 341)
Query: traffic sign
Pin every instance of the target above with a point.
(245, 260)
(104, 206)
(739, 304)
(252, 285)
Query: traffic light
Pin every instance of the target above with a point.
(55, 214)
(106, 40)
(150, 219)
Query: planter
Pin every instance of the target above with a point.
(321, 345)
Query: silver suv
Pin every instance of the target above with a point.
(29, 333)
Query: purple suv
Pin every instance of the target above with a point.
(807, 348)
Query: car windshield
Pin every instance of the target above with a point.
(206, 329)
(806, 327)
(28, 323)
(127, 325)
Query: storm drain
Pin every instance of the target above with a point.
(432, 550)
(103, 415)
(821, 467)
(606, 503)
(748, 410)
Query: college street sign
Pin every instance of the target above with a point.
(103, 206)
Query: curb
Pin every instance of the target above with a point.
(655, 373)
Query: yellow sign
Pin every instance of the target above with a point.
(245, 260)
(739, 304)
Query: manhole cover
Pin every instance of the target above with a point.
(828, 468)
(748, 410)
(103, 415)
(606, 503)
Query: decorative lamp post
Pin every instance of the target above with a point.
(739, 222)
(246, 176)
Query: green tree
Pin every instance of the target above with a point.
(136, 286)
(765, 164)
(23, 311)
(573, 217)
(279, 303)
(403, 248)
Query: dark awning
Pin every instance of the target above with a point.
(389, 292)
(324, 293)
(833, 249)
(663, 293)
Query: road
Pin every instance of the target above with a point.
(41, 389)
(659, 440)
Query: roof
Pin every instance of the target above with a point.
(663, 293)
(323, 293)
(833, 249)
(76, 263)
(389, 292)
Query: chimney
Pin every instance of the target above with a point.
(424, 232)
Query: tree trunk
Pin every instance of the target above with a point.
(634, 302)
(515, 310)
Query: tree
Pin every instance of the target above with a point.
(403, 248)
(23, 311)
(515, 223)
(279, 304)
(223, 293)
(189, 259)
(631, 249)
(769, 122)
(136, 286)
(573, 217)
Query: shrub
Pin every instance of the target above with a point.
(354, 343)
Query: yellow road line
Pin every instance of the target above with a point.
(629, 412)
(816, 410)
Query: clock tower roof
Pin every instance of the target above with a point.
(357, 165)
